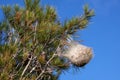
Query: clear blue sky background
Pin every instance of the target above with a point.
(102, 34)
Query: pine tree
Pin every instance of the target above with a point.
(36, 46)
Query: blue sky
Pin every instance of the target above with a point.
(102, 34)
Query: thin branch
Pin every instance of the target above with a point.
(26, 68)
(31, 71)
(40, 75)
(45, 66)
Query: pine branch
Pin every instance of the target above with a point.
(71, 26)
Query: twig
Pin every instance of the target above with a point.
(31, 71)
(26, 68)
(46, 66)
(48, 63)
(40, 75)
(50, 59)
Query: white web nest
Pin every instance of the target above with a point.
(78, 54)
